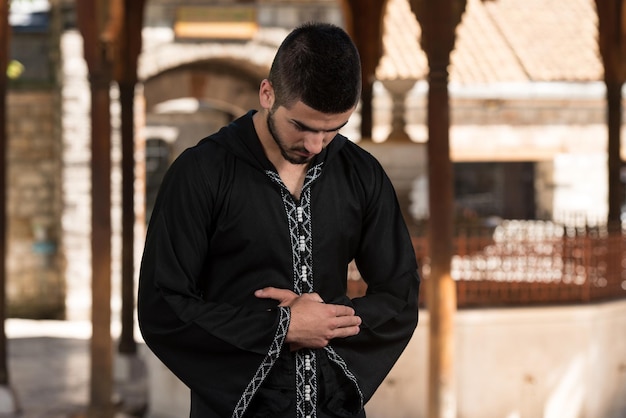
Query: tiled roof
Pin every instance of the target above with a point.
(502, 41)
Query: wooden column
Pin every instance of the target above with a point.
(439, 20)
(101, 350)
(364, 21)
(8, 403)
(612, 43)
(127, 343)
(126, 77)
(4, 62)
(614, 158)
(92, 16)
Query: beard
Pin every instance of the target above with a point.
(284, 150)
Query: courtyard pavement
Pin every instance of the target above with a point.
(49, 365)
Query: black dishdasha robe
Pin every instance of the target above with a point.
(223, 226)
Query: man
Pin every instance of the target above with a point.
(242, 291)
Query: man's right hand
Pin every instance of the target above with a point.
(313, 323)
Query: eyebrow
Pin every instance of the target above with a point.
(308, 128)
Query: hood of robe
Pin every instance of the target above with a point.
(241, 139)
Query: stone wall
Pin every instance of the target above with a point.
(560, 127)
(35, 280)
(550, 362)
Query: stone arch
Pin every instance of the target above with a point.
(197, 98)
(160, 56)
(225, 83)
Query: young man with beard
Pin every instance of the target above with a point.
(242, 290)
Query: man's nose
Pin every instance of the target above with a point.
(314, 142)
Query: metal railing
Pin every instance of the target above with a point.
(521, 263)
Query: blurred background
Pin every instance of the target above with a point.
(502, 115)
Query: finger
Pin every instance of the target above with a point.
(274, 293)
(346, 321)
(342, 310)
(346, 332)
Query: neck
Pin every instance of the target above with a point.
(271, 149)
(292, 175)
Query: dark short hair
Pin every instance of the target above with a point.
(318, 64)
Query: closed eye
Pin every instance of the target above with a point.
(304, 128)
(301, 128)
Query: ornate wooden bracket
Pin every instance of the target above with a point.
(365, 25)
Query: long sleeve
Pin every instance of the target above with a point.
(193, 336)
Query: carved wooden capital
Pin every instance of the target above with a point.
(612, 39)
(438, 20)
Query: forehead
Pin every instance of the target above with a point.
(300, 112)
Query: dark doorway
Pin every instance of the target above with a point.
(495, 189)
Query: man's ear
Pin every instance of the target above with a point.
(266, 94)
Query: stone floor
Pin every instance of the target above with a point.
(49, 366)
